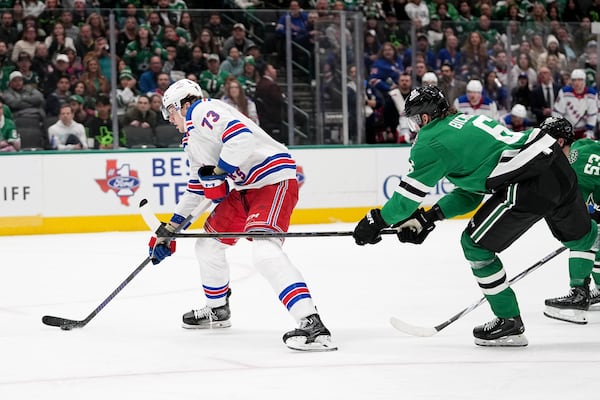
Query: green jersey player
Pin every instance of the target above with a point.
(525, 174)
(584, 156)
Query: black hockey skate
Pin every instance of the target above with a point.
(311, 335)
(208, 318)
(572, 307)
(504, 332)
(595, 298)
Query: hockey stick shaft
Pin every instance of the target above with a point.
(67, 324)
(270, 234)
(422, 331)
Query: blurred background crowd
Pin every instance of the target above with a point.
(71, 71)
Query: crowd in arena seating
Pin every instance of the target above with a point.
(516, 61)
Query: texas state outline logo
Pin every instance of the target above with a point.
(122, 180)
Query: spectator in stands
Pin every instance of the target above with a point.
(523, 66)
(255, 52)
(572, 12)
(582, 33)
(298, 26)
(66, 133)
(126, 35)
(237, 39)
(148, 80)
(163, 80)
(155, 26)
(418, 13)
(474, 55)
(186, 23)
(137, 53)
(132, 11)
(578, 105)
(543, 95)
(517, 120)
(211, 79)
(96, 23)
(156, 106)
(219, 31)
(269, 104)
(127, 91)
(79, 114)
(141, 115)
(521, 93)
(101, 53)
(475, 103)
(208, 43)
(95, 82)
(495, 90)
(33, 8)
(402, 132)
(9, 137)
(85, 41)
(8, 31)
(49, 16)
(6, 65)
(24, 101)
(371, 48)
(18, 16)
(166, 15)
(30, 78)
(179, 42)
(196, 63)
(234, 64)
(384, 76)
(449, 84)
(249, 78)
(58, 97)
(235, 96)
(450, 53)
(75, 66)
(71, 30)
(80, 13)
(58, 41)
(422, 48)
(42, 65)
(26, 44)
(552, 47)
(100, 126)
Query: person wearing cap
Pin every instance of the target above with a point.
(30, 77)
(552, 47)
(421, 47)
(24, 101)
(76, 103)
(475, 103)
(250, 77)
(517, 120)
(521, 94)
(430, 78)
(212, 80)
(59, 69)
(100, 126)
(126, 92)
(579, 105)
(238, 39)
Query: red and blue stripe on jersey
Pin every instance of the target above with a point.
(233, 129)
(272, 164)
(293, 293)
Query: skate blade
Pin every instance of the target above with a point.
(505, 341)
(321, 343)
(567, 315)
(210, 325)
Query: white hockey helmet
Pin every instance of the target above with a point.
(178, 91)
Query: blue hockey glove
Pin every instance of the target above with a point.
(369, 228)
(216, 187)
(419, 225)
(162, 246)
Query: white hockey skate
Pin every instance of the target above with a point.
(311, 335)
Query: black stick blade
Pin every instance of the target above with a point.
(62, 323)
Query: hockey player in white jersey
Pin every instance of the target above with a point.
(579, 105)
(252, 178)
(475, 103)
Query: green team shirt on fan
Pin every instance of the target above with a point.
(465, 149)
(584, 157)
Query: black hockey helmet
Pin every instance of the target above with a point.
(426, 100)
(558, 127)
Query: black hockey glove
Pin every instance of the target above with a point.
(369, 228)
(419, 225)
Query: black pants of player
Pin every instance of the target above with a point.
(510, 212)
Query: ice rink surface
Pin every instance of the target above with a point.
(135, 348)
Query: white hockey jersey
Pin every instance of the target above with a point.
(581, 110)
(486, 107)
(218, 134)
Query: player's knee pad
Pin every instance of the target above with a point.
(268, 256)
(590, 241)
(210, 253)
(474, 253)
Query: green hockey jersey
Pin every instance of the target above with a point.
(585, 160)
(470, 151)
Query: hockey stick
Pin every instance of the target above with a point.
(68, 324)
(430, 331)
(154, 224)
